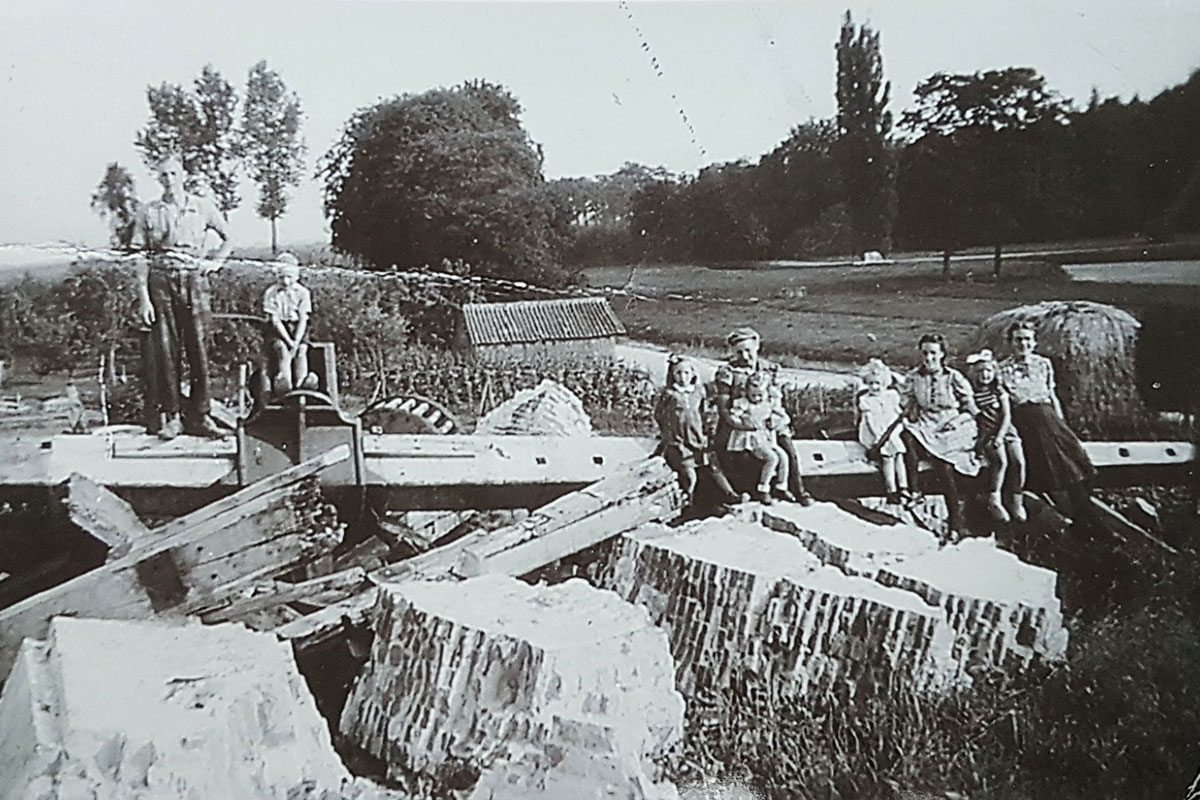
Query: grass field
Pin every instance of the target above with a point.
(846, 314)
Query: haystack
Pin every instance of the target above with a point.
(548, 409)
(1093, 349)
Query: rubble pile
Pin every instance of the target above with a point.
(815, 599)
(120, 709)
(743, 603)
(548, 409)
(1005, 612)
(564, 689)
(842, 540)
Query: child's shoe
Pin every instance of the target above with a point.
(806, 499)
(996, 509)
(894, 498)
(1016, 507)
(733, 498)
(170, 428)
(763, 495)
(784, 494)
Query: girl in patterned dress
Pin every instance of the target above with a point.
(879, 406)
(757, 421)
(998, 444)
(940, 422)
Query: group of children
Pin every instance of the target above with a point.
(965, 423)
(757, 420)
(971, 422)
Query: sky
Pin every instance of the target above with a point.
(732, 78)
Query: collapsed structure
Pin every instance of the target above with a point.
(121, 709)
(480, 682)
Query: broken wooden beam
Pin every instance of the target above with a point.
(101, 514)
(264, 529)
(633, 495)
(250, 597)
(1127, 531)
(630, 496)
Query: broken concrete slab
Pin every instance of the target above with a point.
(1005, 612)
(528, 681)
(120, 709)
(746, 604)
(850, 543)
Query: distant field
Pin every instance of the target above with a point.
(847, 314)
(1180, 273)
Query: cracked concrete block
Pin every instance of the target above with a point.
(519, 687)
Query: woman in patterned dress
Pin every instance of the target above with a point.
(939, 423)
(1055, 460)
(732, 379)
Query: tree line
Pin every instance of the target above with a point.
(982, 159)
(449, 179)
(201, 125)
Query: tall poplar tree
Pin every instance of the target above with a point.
(198, 126)
(862, 152)
(273, 146)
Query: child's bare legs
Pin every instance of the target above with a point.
(769, 455)
(282, 379)
(781, 469)
(300, 365)
(684, 465)
(1014, 485)
(995, 455)
(894, 476)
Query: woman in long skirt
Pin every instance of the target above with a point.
(1055, 460)
(939, 423)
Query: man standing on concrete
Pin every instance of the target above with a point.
(174, 303)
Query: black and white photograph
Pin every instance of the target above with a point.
(599, 400)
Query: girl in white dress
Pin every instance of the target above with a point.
(879, 407)
(757, 420)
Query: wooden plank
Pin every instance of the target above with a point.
(255, 491)
(631, 481)
(253, 596)
(259, 531)
(637, 493)
(407, 464)
(321, 626)
(1127, 531)
(101, 514)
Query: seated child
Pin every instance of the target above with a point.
(757, 420)
(879, 411)
(287, 305)
(998, 443)
(679, 413)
